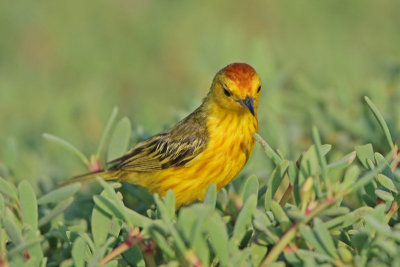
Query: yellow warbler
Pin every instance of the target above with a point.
(211, 145)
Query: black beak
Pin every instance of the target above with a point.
(248, 103)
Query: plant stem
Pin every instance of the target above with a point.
(291, 233)
(395, 159)
(278, 248)
(192, 258)
(148, 253)
(237, 201)
(3, 262)
(3, 251)
(393, 209)
(395, 205)
(133, 239)
(94, 164)
(286, 195)
(268, 150)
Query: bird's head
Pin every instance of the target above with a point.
(237, 87)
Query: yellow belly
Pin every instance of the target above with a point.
(230, 144)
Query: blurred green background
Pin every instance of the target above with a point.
(65, 64)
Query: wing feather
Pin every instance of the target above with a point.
(173, 148)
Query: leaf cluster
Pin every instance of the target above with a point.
(309, 212)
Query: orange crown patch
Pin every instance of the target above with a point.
(240, 73)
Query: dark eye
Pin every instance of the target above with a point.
(259, 89)
(226, 92)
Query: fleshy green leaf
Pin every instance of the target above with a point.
(365, 153)
(222, 197)
(170, 203)
(350, 176)
(29, 210)
(325, 237)
(310, 166)
(291, 258)
(211, 195)
(345, 254)
(2, 208)
(108, 206)
(250, 187)
(100, 226)
(113, 263)
(136, 219)
(115, 227)
(160, 238)
(274, 182)
(378, 226)
(262, 223)
(177, 239)
(106, 132)
(59, 194)
(277, 264)
(192, 223)
(187, 222)
(67, 146)
(360, 240)
(295, 215)
(120, 139)
(268, 150)
(218, 238)
(336, 211)
(78, 252)
(134, 256)
(100, 253)
(8, 189)
(343, 162)
(257, 253)
(13, 232)
(293, 174)
(384, 195)
(321, 158)
(28, 204)
(57, 210)
(101, 223)
(23, 246)
(380, 159)
(244, 219)
(349, 219)
(366, 178)
(388, 183)
(308, 234)
(306, 255)
(380, 120)
(280, 215)
(111, 203)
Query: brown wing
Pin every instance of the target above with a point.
(173, 148)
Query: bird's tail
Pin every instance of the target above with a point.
(91, 176)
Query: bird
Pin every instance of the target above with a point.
(210, 145)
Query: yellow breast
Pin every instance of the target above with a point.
(229, 146)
